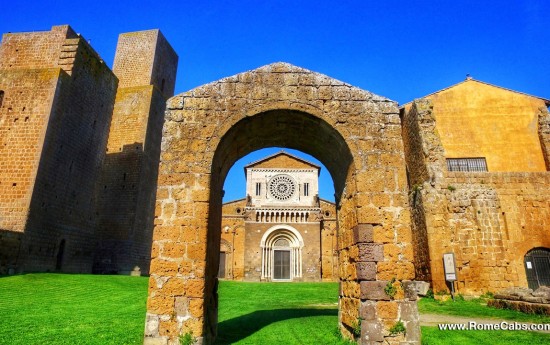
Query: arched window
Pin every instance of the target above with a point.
(537, 267)
(281, 242)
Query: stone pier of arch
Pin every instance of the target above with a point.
(357, 136)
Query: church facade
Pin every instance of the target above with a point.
(282, 230)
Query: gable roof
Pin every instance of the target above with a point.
(281, 153)
(470, 79)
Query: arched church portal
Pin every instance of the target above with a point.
(281, 253)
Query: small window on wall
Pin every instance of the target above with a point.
(306, 189)
(467, 164)
(258, 188)
(1, 97)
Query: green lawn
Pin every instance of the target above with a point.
(72, 309)
(278, 313)
(476, 308)
(88, 309)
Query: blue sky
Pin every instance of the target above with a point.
(398, 49)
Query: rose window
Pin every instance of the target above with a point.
(282, 187)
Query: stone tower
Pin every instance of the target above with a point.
(145, 65)
(57, 98)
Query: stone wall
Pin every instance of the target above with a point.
(63, 202)
(58, 98)
(329, 242)
(146, 58)
(233, 234)
(425, 161)
(544, 134)
(493, 220)
(476, 119)
(29, 100)
(36, 50)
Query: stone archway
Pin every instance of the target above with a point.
(357, 136)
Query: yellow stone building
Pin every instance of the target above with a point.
(477, 161)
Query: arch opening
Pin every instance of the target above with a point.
(274, 128)
(252, 198)
(284, 128)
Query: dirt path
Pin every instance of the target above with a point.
(435, 319)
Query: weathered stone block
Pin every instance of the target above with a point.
(366, 270)
(370, 252)
(363, 233)
(374, 290)
(387, 310)
(413, 335)
(181, 306)
(409, 311)
(371, 331)
(155, 341)
(367, 310)
(543, 291)
(151, 325)
(411, 289)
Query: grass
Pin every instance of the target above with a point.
(88, 309)
(276, 313)
(476, 308)
(72, 309)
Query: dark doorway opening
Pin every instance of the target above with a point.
(537, 267)
(60, 253)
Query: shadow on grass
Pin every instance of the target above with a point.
(238, 328)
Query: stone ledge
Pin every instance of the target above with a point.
(525, 307)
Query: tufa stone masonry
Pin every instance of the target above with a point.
(105, 171)
(80, 150)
